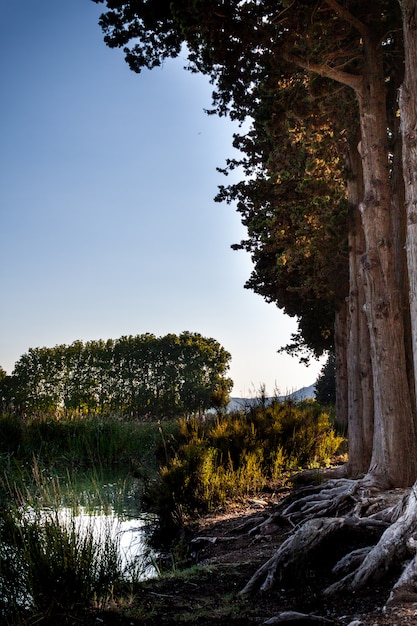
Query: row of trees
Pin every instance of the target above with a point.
(329, 185)
(135, 375)
(328, 196)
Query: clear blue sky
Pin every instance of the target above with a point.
(108, 224)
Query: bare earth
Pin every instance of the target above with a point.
(227, 556)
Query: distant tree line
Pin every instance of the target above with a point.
(134, 375)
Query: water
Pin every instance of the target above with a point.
(106, 505)
(112, 504)
(129, 534)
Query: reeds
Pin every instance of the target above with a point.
(80, 442)
(48, 565)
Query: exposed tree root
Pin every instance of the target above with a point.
(330, 498)
(405, 589)
(307, 477)
(393, 546)
(346, 510)
(294, 618)
(301, 546)
(334, 498)
(292, 552)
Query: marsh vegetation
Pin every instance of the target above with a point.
(60, 476)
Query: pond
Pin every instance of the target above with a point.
(129, 534)
(111, 504)
(104, 505)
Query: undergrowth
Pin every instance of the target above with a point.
(50, 562)
(189, 467)
(81, 442)
(56, 557)
(207, 463)
(49, 565)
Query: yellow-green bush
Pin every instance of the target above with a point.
(209, 463)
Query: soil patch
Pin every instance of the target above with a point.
(222, 555)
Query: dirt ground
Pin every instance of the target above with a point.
(221, 556)
(225, 557)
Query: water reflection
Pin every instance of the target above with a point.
(107, 505)
(129, 533)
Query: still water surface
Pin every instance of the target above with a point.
(109, 505)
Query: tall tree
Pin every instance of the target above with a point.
(142, 375)
(360, 382)
(255, 52)
(408, 110)
(248, 46)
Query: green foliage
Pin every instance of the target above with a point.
(49, 566)
(82, 442)
(325, 387)
(132, 376)
(291, 198)
(205, 464)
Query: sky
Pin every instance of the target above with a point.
(108, 225)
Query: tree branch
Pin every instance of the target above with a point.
(347, 15)
(351, 80)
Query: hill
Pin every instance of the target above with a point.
(301, 394)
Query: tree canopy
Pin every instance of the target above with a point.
(328, 197)
(293, 227)
(139, 376)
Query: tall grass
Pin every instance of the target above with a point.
(49, 565)
(55, 559)
(81, 442)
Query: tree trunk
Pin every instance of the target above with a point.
(340, 347)
(360, 387)
(408, 109)
(400, 230)
(394, 454)
(394, 451)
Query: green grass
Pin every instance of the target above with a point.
(48, 566)
(82, 442)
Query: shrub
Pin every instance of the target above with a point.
(208, 463)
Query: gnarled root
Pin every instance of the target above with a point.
(389, 518)
(405, 589)
(393, 546)
(291, 552)
(333, 498)
(301, 545)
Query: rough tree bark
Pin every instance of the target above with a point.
(340, 347)
(408, 109)
(360, 388)
(345, 504)
(394, 447)
(394, 451)
(393, 547)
